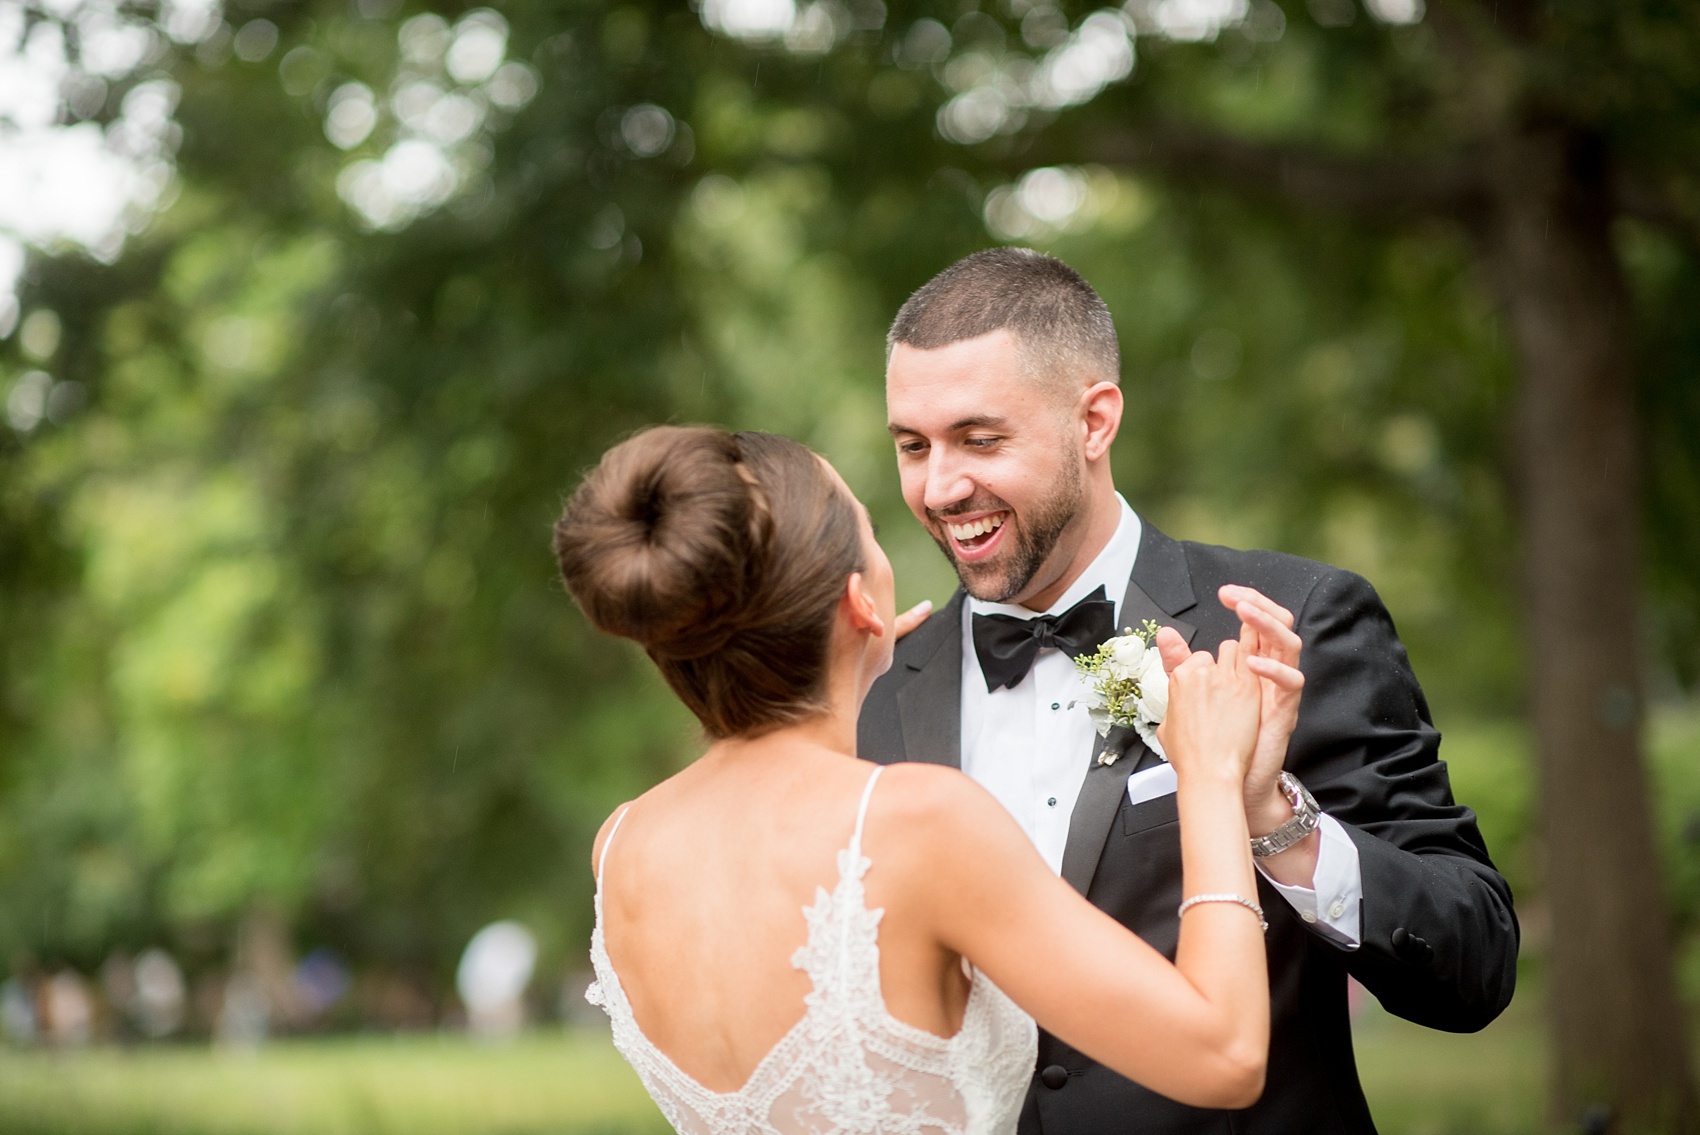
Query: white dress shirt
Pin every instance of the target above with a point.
(1031, 750)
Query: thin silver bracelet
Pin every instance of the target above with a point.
(1240, 899)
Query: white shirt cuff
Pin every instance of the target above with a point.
(1334, 906)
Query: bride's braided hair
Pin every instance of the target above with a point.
(723, 555)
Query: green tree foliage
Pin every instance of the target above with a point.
(280, 628)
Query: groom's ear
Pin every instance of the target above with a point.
(1100, 417)
(859, 606)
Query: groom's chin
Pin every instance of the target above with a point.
(985, 582)
(988, 582)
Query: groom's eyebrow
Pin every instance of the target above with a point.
(979, 422)
(982, 421)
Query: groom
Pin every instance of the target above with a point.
(1002, 397)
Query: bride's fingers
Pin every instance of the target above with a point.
(1228, 656)
(913, 617)
(1172, 649)
(1244, 676)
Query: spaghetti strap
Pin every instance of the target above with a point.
(602, 860)
(861, 813)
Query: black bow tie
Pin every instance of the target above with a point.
(1007, 646)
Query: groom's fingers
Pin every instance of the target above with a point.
(1172, 649)
(1275, 639)
(913, 617)
(1233, 594)
(1286, 677)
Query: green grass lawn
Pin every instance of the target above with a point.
(1419, 1083)
(1422, 1082)
(548, 1084)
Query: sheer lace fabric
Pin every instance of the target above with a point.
(848, 1066)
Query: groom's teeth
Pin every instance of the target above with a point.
(976, 527)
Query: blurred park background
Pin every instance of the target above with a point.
(311, 312)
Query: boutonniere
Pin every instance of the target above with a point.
(1128, 687)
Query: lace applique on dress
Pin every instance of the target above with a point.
(848, 1067)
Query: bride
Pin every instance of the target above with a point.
(791, 941)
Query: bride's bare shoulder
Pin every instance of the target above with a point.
(607, 828)
(933, 806)
(602, 836)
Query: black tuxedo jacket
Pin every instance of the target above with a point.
(1439, 938)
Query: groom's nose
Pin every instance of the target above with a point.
(947, 482)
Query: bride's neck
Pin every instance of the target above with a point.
(852, 665)
(828, 731)
(833, 729)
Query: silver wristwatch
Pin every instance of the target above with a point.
(1306, 819)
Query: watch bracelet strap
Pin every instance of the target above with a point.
(1307, 818)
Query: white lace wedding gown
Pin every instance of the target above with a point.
(848, 1067)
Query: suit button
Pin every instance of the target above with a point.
(1411, 947)
(1054, 1076)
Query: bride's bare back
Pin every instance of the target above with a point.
(703, 897)
(704, 889)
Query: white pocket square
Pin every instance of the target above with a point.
(1148, 784)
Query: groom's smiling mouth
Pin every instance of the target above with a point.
(975, 539)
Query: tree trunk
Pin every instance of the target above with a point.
(1618, 1031)
(1542, 211)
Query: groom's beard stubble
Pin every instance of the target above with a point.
(1036, 534)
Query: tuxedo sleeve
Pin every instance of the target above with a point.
(1439, 937)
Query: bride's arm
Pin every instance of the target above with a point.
(1196, 1031)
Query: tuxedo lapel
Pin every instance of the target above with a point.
(929, 704)
(1095, 808)
(1160, 589)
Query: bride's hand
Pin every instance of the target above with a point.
(1215, 705)
(913, 618)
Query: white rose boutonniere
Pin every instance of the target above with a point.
(1129, 687)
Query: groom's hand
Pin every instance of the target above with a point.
(1272, 650)
(1266, 635)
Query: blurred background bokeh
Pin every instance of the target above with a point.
(311, 312)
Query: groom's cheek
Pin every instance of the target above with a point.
(913, 482)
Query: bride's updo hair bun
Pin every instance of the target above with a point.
(724, 556)
(659, 542)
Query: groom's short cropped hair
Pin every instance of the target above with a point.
(1063, 326)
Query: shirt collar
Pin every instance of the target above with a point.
(1110, 570)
